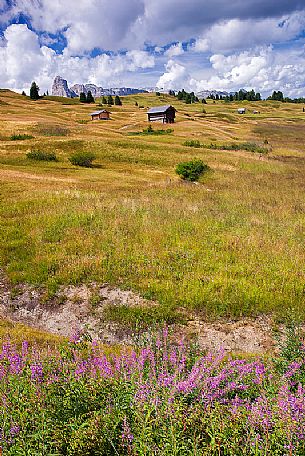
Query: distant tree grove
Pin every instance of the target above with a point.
(83, 98)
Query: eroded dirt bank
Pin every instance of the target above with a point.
(83, 307)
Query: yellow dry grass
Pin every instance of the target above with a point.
(232, 245)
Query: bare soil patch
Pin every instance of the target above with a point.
(82, 308)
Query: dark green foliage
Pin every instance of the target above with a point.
(171, 93)
(110, 100)
(34, 91)
(117, 101)
(187, 97)
(19, 137)
(158, 94)
(150, 131)
(104, 100)
(193, 143)
(248, 146)
(83, 158)
(82, 97)
(136, 103)
(241, 95)
(40, 155)
(90, 98)
(277, 96)
(23, 93)
(204, 101)
(191, 170)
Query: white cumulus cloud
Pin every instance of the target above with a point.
(23, 60)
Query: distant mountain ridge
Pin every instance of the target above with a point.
(60, 88)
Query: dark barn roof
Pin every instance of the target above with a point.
(96, 113)
(159, 109)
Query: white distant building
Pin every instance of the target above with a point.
(241, 110)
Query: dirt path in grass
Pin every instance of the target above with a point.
(83, 307)
(10, 174)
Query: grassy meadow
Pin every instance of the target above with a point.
(230, 246)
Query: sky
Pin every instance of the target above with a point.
(171, 44)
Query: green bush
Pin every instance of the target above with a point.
(247, 146)
(19, 137)
(150, 131)
(192, 143)
(82, 159)
(191, 170)
(41, 155)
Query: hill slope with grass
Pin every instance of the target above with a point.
(230, 246)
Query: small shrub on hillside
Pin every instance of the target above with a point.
(150, 131)
(18, 137)
(191, 170)
(84, 159)
(248, 146)
(40, 155)
(192, 143)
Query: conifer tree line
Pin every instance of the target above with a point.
(83, 98)
(110, 102)
(241, 95)
(187, 97)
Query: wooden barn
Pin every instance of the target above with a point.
(165, 114)
(100, 115)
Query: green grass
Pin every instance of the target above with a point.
(20, 137)
(40, 155)
(233, 246)
(151, 131)
(248, 146)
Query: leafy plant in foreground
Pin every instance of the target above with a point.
(158, 399)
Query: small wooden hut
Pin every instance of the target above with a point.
(100, 115)
(165, 114)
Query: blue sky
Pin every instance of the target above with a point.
(195, 44)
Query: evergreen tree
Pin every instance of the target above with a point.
(136, 103)
(90, 98)
(23, 93)
(188, 99)
(47, 93)
(204, 101)
(82, 97)
(104, 100)
(34, 91)
(278, 96)
(258, 96)
(110, 100)
(117, 101)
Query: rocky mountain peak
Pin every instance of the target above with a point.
(60, 88)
